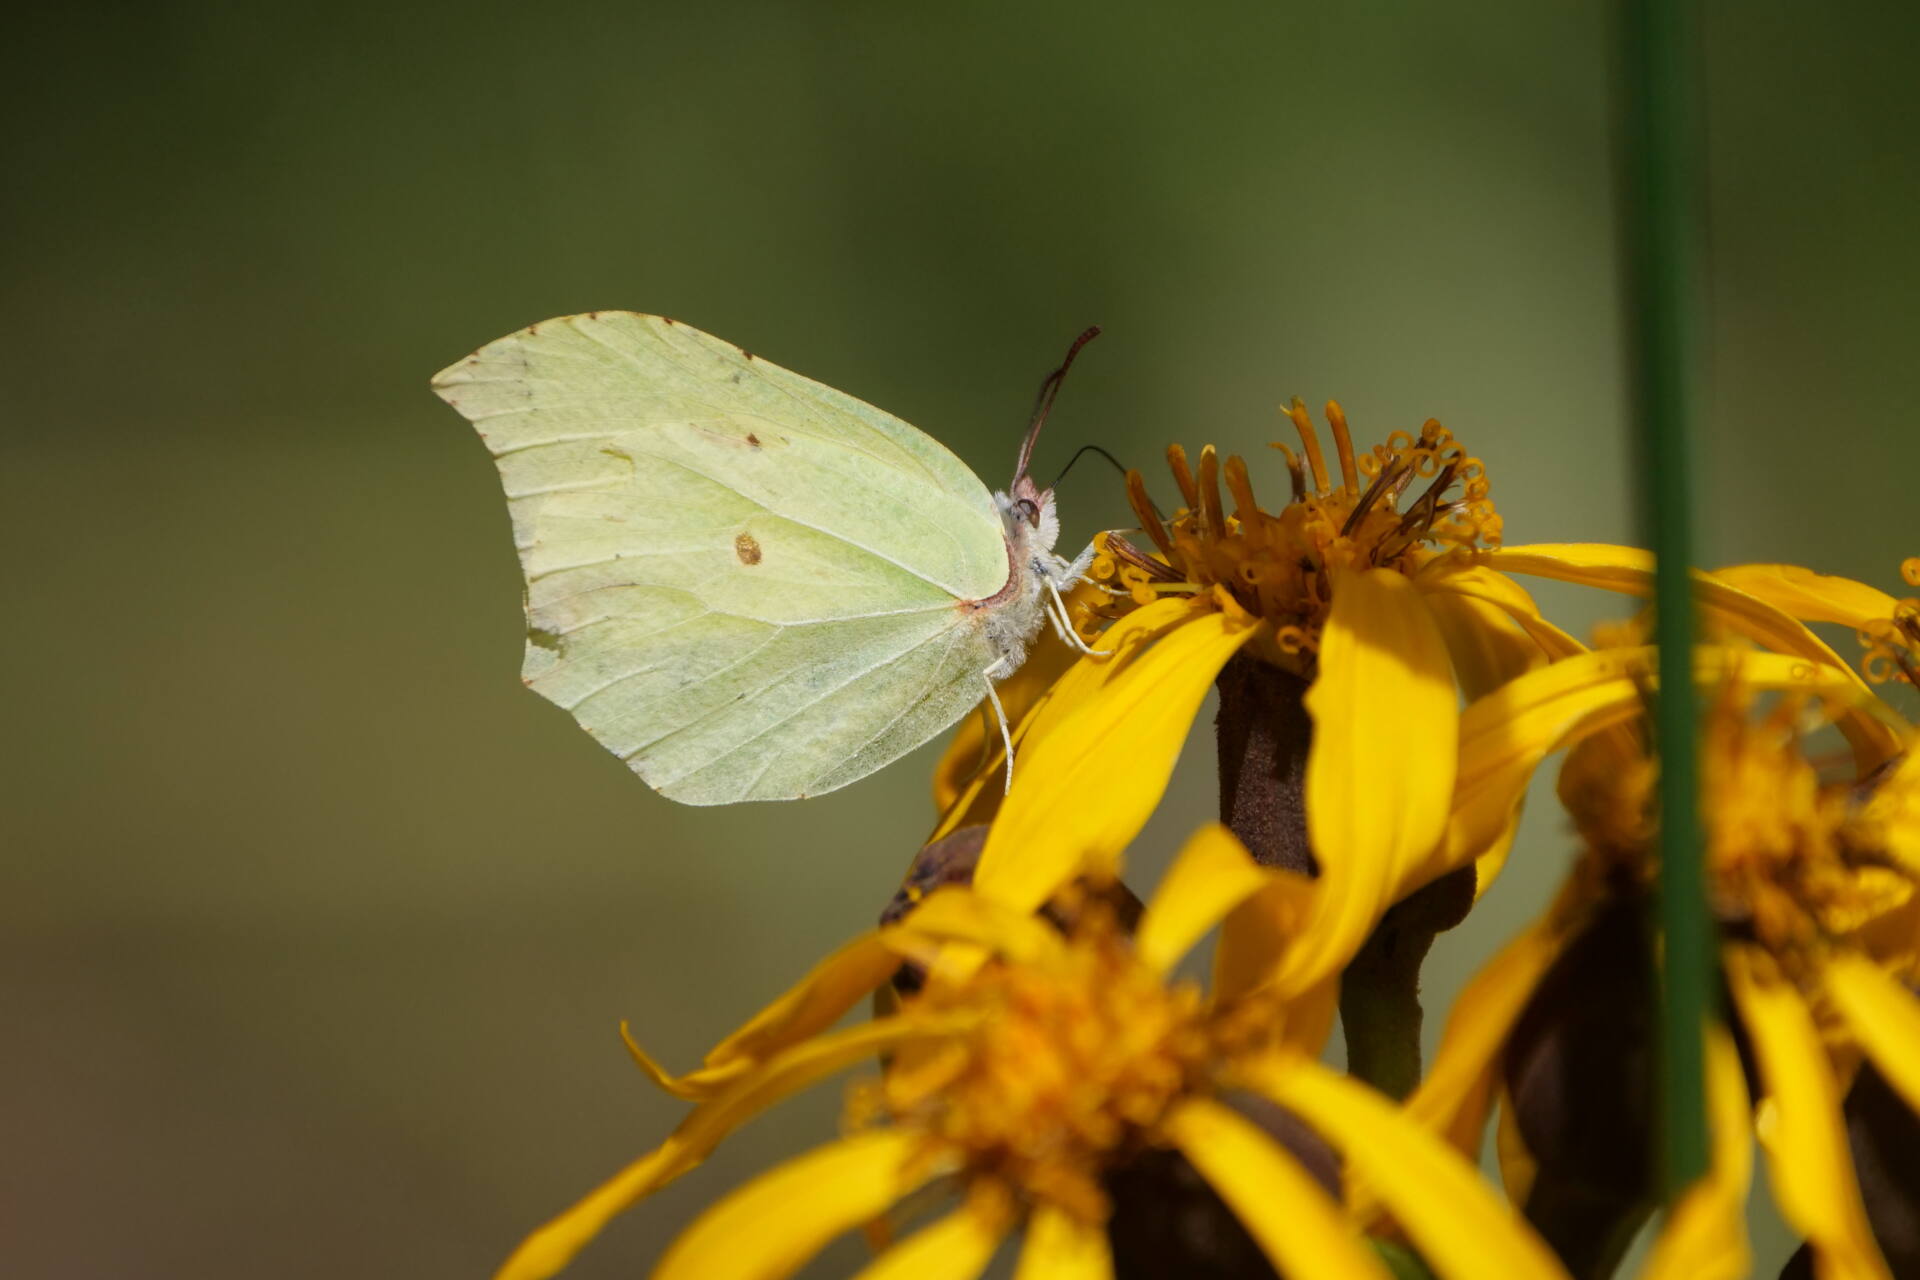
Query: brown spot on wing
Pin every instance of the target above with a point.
(753, 439)
(747, 549)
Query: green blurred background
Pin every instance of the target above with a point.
(316, 926)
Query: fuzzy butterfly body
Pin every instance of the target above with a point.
(745, 584)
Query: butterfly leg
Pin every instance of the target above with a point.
(1006, 734)
(1063, 625)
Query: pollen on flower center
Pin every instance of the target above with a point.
(1074, 1061)
(1798, 863)
(1277, 565)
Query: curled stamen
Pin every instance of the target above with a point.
(1394, 472)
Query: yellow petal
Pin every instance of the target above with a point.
(811, 1005)
(1505, 735)
(1061, 1247)
(1084, 788)
(955, 914)
(1297, 1225)
(1519, 1167)
(1810, 596)
(1257, 934)
(1381, 768)
(1453, 1099)
(976, 748)
(957, 1247)
(980, 799)
(1462, 1229)
(1487, 648)
(1883, 1016)
(1447, 578)
(1213, 874)
(1628, 570)
(1705, 1234)
(549, 1249)
(1808, 1161)
(771, 1226)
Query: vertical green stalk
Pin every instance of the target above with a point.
(1660, 222)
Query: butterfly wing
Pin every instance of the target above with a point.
(747, 585)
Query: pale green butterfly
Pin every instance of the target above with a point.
(747, 585)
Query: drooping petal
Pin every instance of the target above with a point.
(549, 1249)
(957, 1247)
(1705, 1234)
(1462, 1229)
(1810, 596)
(980, 799)
(1458, 1090)
(1381, 769)
(1297, 1225)
(770, 1227)
(1212, 875)
(1083, 789)
(1883, 1016)
(1801, 1125)
(1061, 1247)
(1627, 570)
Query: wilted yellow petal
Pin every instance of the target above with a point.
(1810, 596)
(1883, 1016)
(1454, 1098)
(1297, 1225)
(549, 1249)
(1381, 769)
(957, 1247)
(770, 1227)
(1061, 1247)
(1213, 874)
(1627, 570)
(1462, 1229)
(1083, 789)
(1805, 1134)
(1705, 1234)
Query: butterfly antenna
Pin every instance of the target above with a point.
(1086, 449)
(1044, 403)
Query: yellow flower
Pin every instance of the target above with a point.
(1812, 881)
(1034, 1062)
(1386, 608)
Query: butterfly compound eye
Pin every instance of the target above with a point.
(1030, 509)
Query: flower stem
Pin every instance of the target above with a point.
(1263, 732)
(1380, 990)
